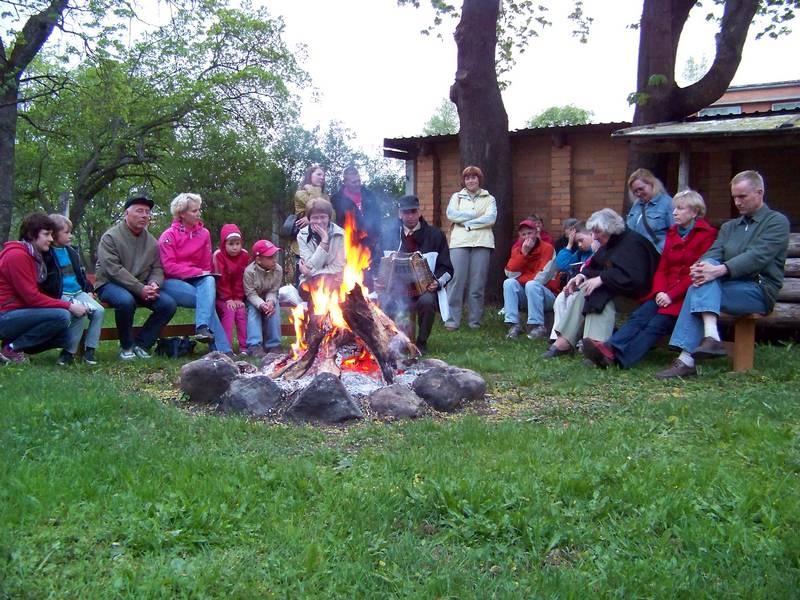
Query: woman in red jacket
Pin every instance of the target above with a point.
(686, 241)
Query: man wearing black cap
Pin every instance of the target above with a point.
(129, 274)
(413, 234)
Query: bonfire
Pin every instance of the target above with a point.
(346, 330)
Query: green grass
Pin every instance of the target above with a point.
(568, 483)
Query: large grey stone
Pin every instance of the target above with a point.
(207, 379)
(257, 396)
(325, 399)
(396, 401)
(447, 388)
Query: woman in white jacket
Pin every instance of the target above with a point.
(472, 212)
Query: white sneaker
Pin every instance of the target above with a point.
(127, 354)
(140, 352)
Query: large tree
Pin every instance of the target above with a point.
(658, 97)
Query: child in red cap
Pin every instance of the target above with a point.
(262, 279)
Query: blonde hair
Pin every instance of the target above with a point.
(647, 176)
(181, 202)
(754, 178)
(319, 205)
(693, 200)
(61, 223)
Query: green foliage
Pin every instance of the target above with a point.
(557, 116)
(566, 480)
(443, 121)
(657, 80)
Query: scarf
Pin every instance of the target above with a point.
(41, 269)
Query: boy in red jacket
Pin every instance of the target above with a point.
(529, 268)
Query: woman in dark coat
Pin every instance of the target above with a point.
(622, 268)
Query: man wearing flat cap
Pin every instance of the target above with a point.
(413, 234)
(529, 269)
(129, 275)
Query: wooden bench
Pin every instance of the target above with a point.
(183, 329)
(786, 312)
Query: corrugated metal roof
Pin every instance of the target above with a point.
(766, 124)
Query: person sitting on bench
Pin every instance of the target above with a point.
(740, 274)
(129, 274)
(30, 321)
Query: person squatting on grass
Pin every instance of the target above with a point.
(129, 274)
(740, 274)
(31, 321)
(529, 269)
(230, 261)
(472, 212)
(620, 271)
(262, 280)
(185, 250)
(66, 279)
(686, 241)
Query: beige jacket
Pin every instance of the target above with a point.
(472, 219)
(261, 285)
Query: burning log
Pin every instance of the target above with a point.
(378, 332)
(314, 335)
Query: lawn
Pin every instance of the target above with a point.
(569, 482)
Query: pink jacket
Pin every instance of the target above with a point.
(185, 253)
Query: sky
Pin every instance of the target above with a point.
(373, 70)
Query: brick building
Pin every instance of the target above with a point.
(575, 170)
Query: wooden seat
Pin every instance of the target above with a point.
(742, 348)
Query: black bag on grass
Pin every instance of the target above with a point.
(174, 347)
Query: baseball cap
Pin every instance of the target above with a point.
(528, 223)
(139, 199)
(264, 248)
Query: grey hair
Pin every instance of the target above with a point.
(754, 178)
(181, 202)
(606, 221)
(693, 200)
(62, 223)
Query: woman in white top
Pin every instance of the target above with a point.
(472, 212)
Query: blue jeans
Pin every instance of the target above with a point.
(200, 293)
(643, 329)
(79, 323)
(256, 322)
(734, 296)
(125, 304)
(35, 329)
(537, 297)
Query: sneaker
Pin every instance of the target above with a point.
(513, 332)
(599, 353)
(65, 359)
(126, 354)
(88, 356)
(12, 356)
(141, 352)
(554, 351)
(256, 352)
(537, 332)
(709, 348)
(203, 334)
(678, 368)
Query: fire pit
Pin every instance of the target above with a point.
(347, 352)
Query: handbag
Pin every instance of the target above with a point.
(174, 347)
(288, 230)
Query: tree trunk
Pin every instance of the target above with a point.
(483, 134)
(13, 62)
(659, 97)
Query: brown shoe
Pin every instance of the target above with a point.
(678, 368)
(709, 348)
(598, 353)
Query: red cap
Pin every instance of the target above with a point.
(528, 223)
(264, 248)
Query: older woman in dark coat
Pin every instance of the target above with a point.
(622, 268)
